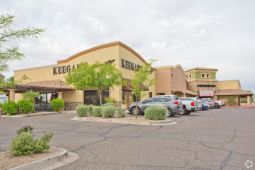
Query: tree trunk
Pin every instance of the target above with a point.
(100, 97)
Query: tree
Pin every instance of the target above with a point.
(99, 76)
(141, 77)
(7, 34)
(30, 95)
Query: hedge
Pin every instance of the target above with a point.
(155, 113)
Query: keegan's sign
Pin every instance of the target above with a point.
(129, 65)
(64, 69)
(68, 68)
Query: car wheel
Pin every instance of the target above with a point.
(170, 112)
(188, 112)
(135, 110)
(184, 110)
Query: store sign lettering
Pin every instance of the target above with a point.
(129, 65)
(68, 68)
(64, 69)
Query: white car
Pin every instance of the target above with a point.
(220, 102)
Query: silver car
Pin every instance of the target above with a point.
(171, 104)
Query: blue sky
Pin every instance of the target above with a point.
(208, 33)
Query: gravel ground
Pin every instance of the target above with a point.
(7, 161)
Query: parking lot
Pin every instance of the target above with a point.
(214, 139)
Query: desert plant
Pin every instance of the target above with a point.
(25, 144)
(25, 106)
(27, 128)
(57, 104)
(82, 110)
(108, 111)
(97, 111)
(9, 108)
(119, 113)
(155, 113)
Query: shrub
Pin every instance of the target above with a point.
(120, 113)
(82, 110)
(97, 111)
(90, 109)
(9, 108)
(27, 128)
(25, 144)
(155, 113)
(25, 106)
(108, 111)
(109, 104)
(57, 104)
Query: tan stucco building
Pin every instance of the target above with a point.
(51, 78)
(172, 80)
(203, 81)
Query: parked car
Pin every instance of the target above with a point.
(189, 105)
(199, 105)
(177, 102)
(171, 104)
(220, 102)
(205, 105)
(216, 105)
(210, 102)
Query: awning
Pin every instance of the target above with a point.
(233, 92)
(127, 86)
(44, 86)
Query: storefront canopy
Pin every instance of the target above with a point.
(44, 86)
(233, 92)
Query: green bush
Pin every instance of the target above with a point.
(155, 113)
(109, 104)
(90, 109)
(25, 106)
(10, 108)
(57, 104)
(108, 111)
(27, 128)
(119, 113)
(82, 110)
(25, 144)
(97, 111)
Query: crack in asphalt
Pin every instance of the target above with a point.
(226, 160)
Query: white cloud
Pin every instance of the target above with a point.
(192, 33)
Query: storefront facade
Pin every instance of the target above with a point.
(120, 55)
(49, 80)
(203, 81)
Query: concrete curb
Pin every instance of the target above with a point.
(60, 159)
(32, 114)
(125, 121)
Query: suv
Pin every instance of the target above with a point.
(171, 104)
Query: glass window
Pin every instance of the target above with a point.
(203, 75)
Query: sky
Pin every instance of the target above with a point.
(194, 33)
